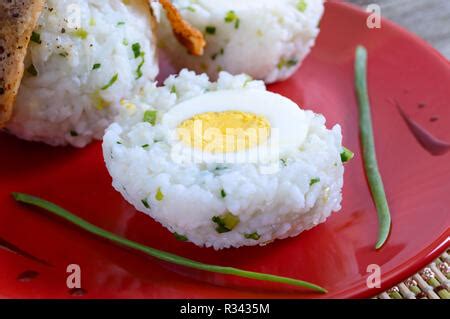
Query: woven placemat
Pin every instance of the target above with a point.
(433, 282)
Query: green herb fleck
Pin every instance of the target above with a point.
(36, 37)
(80, 33)
(111, 82)
(125, 42)
(145, 203)
(96, 66)
(159, 195)
(99, 102)
(136, 47)
(92, 22)
(139, 73)
(346, 155)
(64, 54)
(286, 63)
(150, 116)
(226, 222)
(120, 23)
(173, 89)
(192, 9)
(145, 145)
(254, 236)
(291, 62)
(302, 5)
(314, 181)
(232, 17)
(210, 29)
(223, 193)
(32, 70)
(180, 237)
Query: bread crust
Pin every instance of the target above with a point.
(18, 19)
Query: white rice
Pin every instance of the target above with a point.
(266, 39)
(278, 205)
(64, 103)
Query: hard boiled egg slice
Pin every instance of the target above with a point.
(236, 125)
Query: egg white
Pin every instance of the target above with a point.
(288, 122)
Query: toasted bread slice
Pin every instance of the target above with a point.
(17, 21)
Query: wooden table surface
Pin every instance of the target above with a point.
(430, 19)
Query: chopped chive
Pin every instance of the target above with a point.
(368, 148)
(111, 82)
(125, 42)
(223, 193)
(80, 33)
(226, 222)
(180, 237)
(302, 5)
(156, 253)
(346, 155)
(99, 102)
(35, 37)
(314, 181)
(64, 54)
(237, 23)
(230, 16)
(119, 142)
(254, 236)
(291, 62)
(159, 195)
(32, 70)
(192, 9)
(120, 23)
(145, 145)
(145, 203)
(210, 29)
(150, 116)
(139, 73)
(286, 63)
(281, 64)
(136, 47)
(96, 66)
(173, 89)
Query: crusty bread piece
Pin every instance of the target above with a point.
(18, 19)
(191, 38)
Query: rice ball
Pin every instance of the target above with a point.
(83, 57)
(266, 39)
(166, 156)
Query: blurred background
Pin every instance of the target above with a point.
(430, 19)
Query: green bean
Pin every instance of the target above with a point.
(368, 148)
(158, 254)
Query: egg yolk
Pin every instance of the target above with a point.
(224, 132)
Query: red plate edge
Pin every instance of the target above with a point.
(434, 249)
(442, 243)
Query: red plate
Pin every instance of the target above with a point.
(403, 70)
